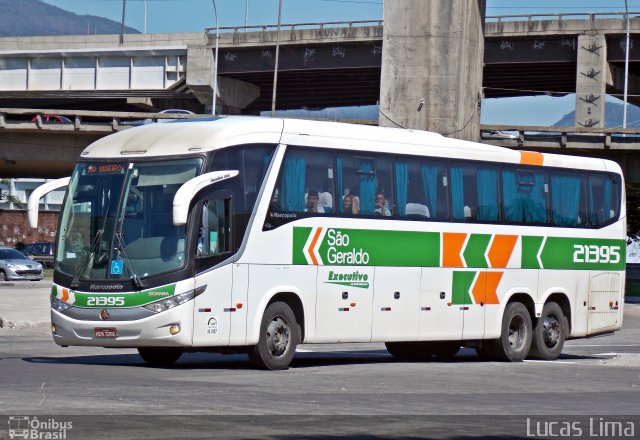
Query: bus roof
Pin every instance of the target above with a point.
(186, 137)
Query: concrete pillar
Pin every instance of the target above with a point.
(432, 61)
(233, 95)
(591, 81)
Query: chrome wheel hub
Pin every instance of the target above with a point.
(278, 336)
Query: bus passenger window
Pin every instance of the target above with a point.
(305, 183)
(525, 196)
(568, 199)
(421, 189)
(474, 193)
(604, 198)
(365, 184)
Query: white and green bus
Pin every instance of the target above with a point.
(247, 234)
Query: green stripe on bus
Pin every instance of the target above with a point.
(364, 247)
(462, 281)
(300, 236)
(474, 252)
(530, 249)
(573, 253)
(129, 299)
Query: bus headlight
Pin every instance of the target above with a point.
(174, 301)
(58, 305)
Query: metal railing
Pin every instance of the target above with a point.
(558, 16)
(489, 18)
(294, 26)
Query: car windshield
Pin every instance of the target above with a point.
(117, 220)
(11, 254)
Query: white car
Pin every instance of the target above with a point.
(15, 266)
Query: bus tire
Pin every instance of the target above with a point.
(445, 349)
(485, 350)
(549, 333)
(160, 356)
(517, 332)
(409, 351)
(278, 338)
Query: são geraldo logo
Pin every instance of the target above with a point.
(331, 246)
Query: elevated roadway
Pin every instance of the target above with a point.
(321, 64)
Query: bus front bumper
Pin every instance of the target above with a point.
(158, 330)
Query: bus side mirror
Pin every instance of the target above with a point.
(190, 188)
(33, 204)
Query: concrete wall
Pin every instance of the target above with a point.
(432, 66)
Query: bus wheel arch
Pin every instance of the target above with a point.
(278, 338)
(292, 300)
(562, 300)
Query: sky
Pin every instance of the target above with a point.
(196, 15)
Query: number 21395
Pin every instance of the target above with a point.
(591, 253)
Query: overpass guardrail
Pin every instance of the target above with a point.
(560, 16)
(379, 23)
(520, 136)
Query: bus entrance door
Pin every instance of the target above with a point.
(344, 303)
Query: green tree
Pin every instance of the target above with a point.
(5, 196)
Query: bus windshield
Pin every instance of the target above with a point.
(117, 220)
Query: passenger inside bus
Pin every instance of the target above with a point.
(381, 205)
(351, 204)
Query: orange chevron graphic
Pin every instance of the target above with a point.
(486, 286)
(314, 260)
(501, 250)
(451, 248)
(65, 295)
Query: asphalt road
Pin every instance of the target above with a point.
(330, 391)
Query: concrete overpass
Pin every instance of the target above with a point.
(321, 64)
(330, 64)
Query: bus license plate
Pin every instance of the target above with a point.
(106, 332)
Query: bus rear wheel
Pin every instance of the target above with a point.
(160, 357)
(549, 333)
(515, 339)
(278, 338)
(409, 351)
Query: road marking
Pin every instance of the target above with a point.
(602, 345)
(606, 354)
(548, 362)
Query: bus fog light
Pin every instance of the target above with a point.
(174, 329)
(53, 329)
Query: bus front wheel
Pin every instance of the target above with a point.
(160, 356)
(278, 338)
(549, 333)
(515, 339)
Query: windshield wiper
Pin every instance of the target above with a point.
(123, 250)
(95, 244)
(85, 261)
